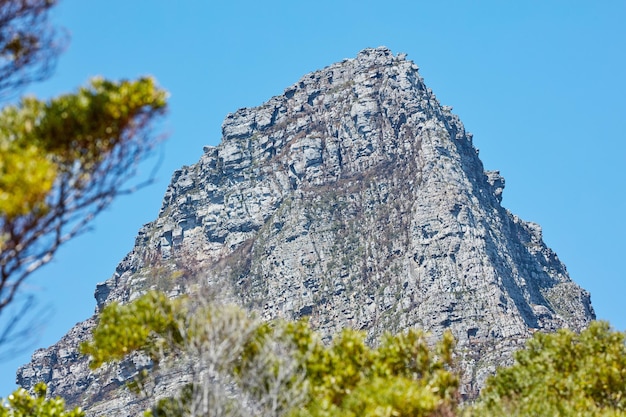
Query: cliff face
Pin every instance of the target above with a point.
(354, 198)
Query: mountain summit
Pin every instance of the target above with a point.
(353, 198)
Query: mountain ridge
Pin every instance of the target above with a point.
(356, 199)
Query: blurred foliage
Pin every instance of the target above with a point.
(22, 404)
(561, 374)
(558, 374)
(40, 141)
(402, 377)
(173, 407)
(26, 178)
(29, 46)
(62, 160)
(138, 326)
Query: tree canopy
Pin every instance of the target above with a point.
(282, 368)
(23, 404)
(562, 373)
(274, 368)
(62, 160)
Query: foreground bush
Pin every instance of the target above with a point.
(241, 366)
(23, 404)
(561, 374)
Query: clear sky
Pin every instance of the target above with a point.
(541, 84)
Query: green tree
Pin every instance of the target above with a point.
(562, 373)
(23, 404)
(62, 160)
(403, 376)
(242, 366)
(222, 350)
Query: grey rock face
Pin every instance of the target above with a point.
(354, 198)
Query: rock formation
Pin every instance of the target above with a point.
(354, 198)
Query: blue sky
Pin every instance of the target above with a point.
(540, 84)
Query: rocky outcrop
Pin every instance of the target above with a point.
(353, 198)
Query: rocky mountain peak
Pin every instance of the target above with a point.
(356, 199)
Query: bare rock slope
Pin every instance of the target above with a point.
(354, 198)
